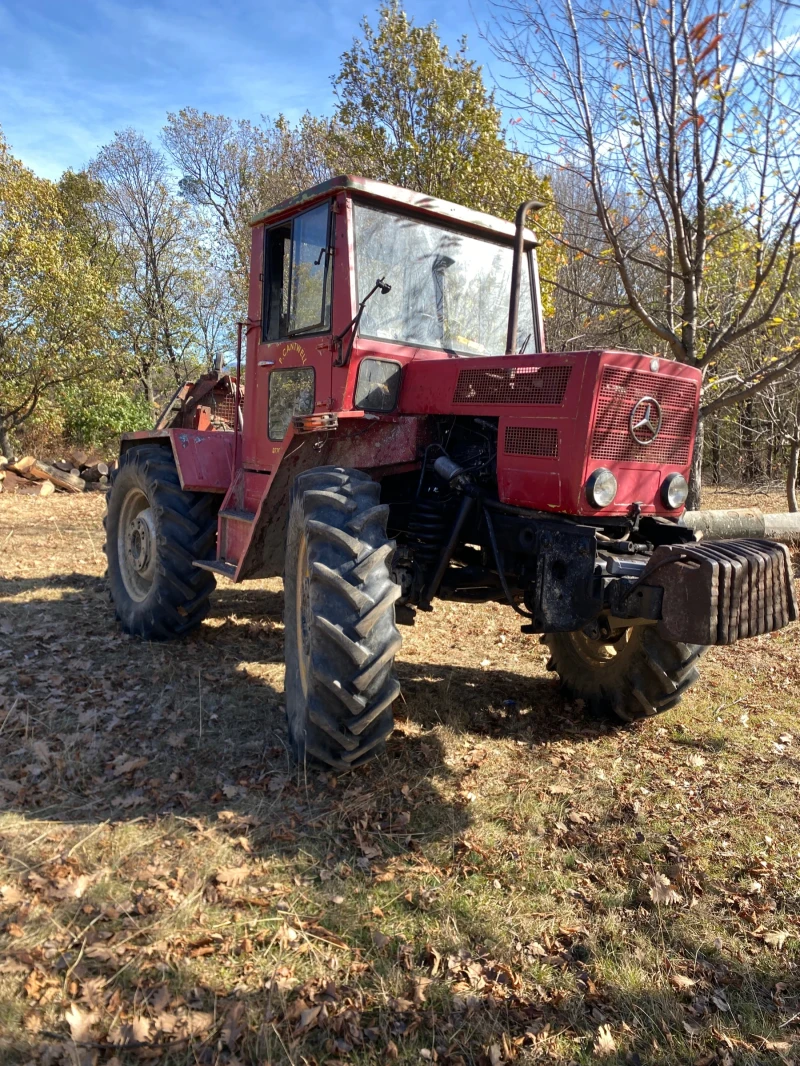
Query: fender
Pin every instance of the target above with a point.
(204, 458)
(379, 446)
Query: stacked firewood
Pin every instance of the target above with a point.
(79, 471)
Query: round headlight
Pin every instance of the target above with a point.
(674, 491)
(601, 488)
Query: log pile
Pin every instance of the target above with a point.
(76, 472)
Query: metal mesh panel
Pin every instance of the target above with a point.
(223, 407)
(515, 384)
(619, 390)
(532, 440)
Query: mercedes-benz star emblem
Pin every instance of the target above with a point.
(645, 420)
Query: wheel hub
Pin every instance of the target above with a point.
(141, 541)
(137, 546)
(600, 649)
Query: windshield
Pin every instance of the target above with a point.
(449, 290)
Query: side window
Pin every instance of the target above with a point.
(297, 285)
(291, 392)
(276, 288)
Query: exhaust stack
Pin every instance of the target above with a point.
(516, 272)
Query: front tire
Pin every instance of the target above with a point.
(340, 632)
(634, 674)
(154, 532)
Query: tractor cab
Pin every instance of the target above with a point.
(353, 280)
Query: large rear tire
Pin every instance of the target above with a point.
(340, 633)
(634, 674)
(154, 532)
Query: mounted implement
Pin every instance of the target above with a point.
(388, 455)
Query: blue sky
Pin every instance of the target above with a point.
(74, 71)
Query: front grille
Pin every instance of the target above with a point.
(619, 391)
(532, 440)
(516, 384)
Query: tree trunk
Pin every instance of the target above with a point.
(751, 464)
(716, 458)
(5, 444)
(791, 476)
(696, 476)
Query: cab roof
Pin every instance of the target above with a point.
(442, 210)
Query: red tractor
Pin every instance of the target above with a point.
(387, 453)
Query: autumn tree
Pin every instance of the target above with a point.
(56, 290)
(232, 169)
(153, 235)
(681, 122)
(415, 114)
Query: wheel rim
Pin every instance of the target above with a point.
(597, 652)
(137, 543)
(303, 617)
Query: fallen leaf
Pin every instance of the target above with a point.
(308, 1018)
(130, 765)
(420, 989)
(776, 939)
(380, 940)
(682, 982)
(231, 1029)
(775, 1045)
(9, 965)
(80, 1022)
(198, 1021)
(232, 875)
(11, 895)
(604, 1043)
(661, 890)
(136, 1031)
(719, 1000)
(42, 752)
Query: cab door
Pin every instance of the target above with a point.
(294, 363)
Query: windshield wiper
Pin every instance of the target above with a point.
(353, 324)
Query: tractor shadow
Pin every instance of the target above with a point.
(96, 726)
(200, 722)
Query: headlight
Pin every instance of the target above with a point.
(601, 488)
(674, 491)
(377, 385)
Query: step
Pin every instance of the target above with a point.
(238, 516)
(216, 566)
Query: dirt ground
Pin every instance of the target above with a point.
(512, 882)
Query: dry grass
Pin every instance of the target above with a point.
(512, 882)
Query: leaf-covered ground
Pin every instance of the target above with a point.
(511, 883)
